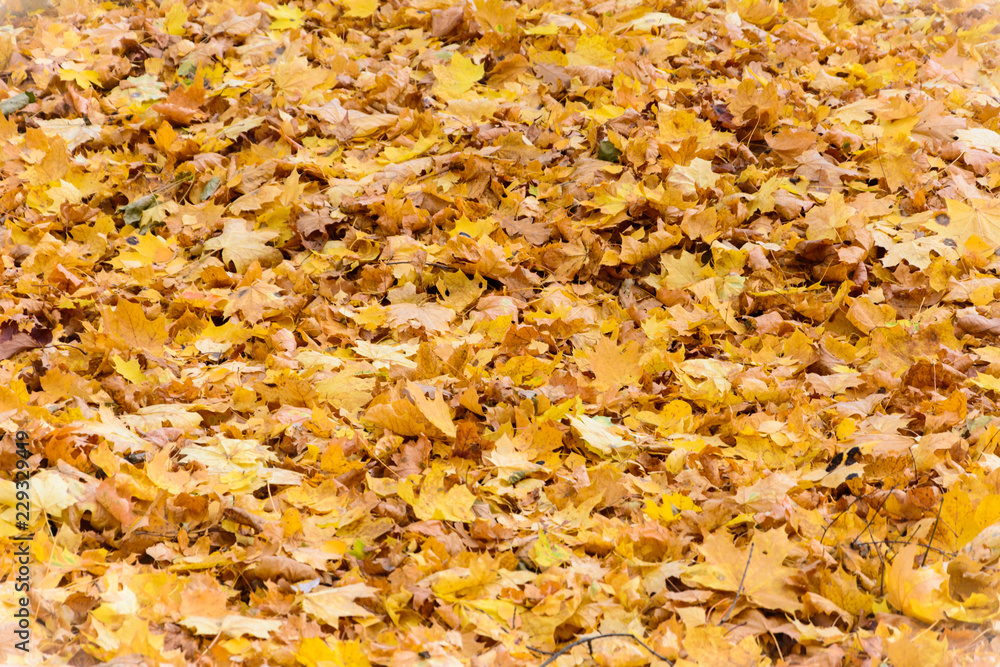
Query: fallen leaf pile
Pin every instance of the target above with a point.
(351, 332)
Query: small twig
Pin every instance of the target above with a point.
(209, 647)
(930, 538)
(878, 154)
(42, 347)
(949, 554)
(739, 590)
(878, 552)
(878, 509)
(588, 640)
(172, 184)
(733, 628)
(435, 264)
(840, 514)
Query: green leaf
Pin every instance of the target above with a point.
(606, 151)
(16, 103)
(133, 211)
(358, 549)
(210, 188)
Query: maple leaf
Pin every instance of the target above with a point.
(681, 271)
(183, 104)
(767, 578)
(13, 340)
(79, 74)
(253, 300)
(509, 460)
(229, 453)
(127, 326)
(434, 502)
(362, 9)
(920, 592)
(980, 217)
(329, 604)
(434, 410)
(600, 435)
(615, 366)
(242, 245)
(231, 626)
(383, 355)
(457, 77)
(317, 651)
(347, 390)
(429, 316)
(285, 17)
(688, 179)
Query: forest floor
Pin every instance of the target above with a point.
(346, 333)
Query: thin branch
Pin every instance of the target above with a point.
(42, 347)
(739, 590)
(949, 554)
(588, 640)
(840, 514)
(930, 538)
(881, 575)
(874, 516)
(435, 264)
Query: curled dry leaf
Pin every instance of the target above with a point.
(281, 567)
(977, 324)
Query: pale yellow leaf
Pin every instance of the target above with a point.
(328, 605)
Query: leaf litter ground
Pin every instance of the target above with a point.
(417, 333)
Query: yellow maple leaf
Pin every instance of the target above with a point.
(980, 217)
(767, 580)
(79, 74)
(144, 250)
(226, 454)
(401, 417)
(174, 18)
(457, 77)
(361, 9)
(758, 12)
(347, 391)
(313, 651)
(429, 316)
(614, 366)
(592, 50)
(509, 460)
(900, 343)
(496, 15)
(599, 434)
(421, 146)
(434, 502)
(286, 17)
(253, 300)
(547, 552)
(670, 507)
(231, 626)
(689, 179)
(128, 328)
(329, 604)
(681, 271)
(130, 370)
(436, 411)
(242, 245)
(920, 592)
(385, 355)
(458, 291)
